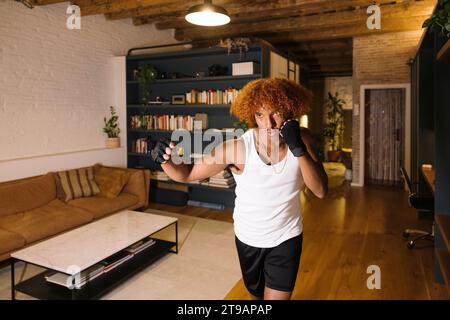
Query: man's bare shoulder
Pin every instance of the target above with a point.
(235, 150)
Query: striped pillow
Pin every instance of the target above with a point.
(77, 183)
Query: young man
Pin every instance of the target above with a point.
(270, 163)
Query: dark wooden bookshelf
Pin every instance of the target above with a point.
(195, 185)
(183, 107)
(193, 79)
(179, 68)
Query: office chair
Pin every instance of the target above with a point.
(420, 203)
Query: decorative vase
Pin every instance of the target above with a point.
(113, 142)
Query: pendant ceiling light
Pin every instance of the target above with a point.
(207, 14)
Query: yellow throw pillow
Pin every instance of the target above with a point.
(110, 180)
(76, 183)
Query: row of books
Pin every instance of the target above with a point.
(140, 145)
(212, 96)
(110, 263)
(224, 179)
(162, 122)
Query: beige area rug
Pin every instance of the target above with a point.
(206, 266)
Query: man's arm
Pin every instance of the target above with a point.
(221, 156)
(300, 142)
(312, 169)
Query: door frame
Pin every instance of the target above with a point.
(362, 129)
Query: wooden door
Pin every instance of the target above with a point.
(384, 136)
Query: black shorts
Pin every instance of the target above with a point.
(275, 268)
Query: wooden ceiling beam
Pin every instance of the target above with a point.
(101, 7)
(176, 12)
(358, 17)
(392, 25)
(46, 2)
(244, 11)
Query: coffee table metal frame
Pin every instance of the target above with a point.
(39, 288)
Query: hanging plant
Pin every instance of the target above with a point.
(440, 21)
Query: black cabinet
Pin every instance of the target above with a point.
(431, 135)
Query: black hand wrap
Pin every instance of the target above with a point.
(159, 150)
(290, 131)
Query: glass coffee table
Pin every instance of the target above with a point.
(93, 244)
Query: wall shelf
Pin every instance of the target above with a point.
(186, 107)
(195, 185)
(218, 78)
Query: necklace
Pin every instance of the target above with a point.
(267, 160)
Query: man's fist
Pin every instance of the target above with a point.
(162, 151)
(290, 131)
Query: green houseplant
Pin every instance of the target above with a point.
(145, 76)
(334, 126)
(112, 129)
(440, 20)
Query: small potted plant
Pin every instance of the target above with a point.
(335, 126)
(112, 129)
(145, 76)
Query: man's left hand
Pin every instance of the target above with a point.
(291, 133)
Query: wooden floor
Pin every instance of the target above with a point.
(344, 234)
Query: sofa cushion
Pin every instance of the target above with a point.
(27, 194)
(110, 180)
(10, 241)
(137, 185)
(100, 206)
(48, 220)
(76, 183)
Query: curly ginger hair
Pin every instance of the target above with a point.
(287, 97)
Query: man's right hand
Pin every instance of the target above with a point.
(162, 151)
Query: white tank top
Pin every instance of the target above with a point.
(267, 205)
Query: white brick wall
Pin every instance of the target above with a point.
(56, 85)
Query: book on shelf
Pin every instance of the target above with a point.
(159, 175)
(224, 186)
(140, 145)
(211, 96)
(75, 281)
(225, 181)
(140, 245)
(115, 260)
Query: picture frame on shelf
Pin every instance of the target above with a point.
(179, 99)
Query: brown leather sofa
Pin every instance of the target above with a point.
(30, 210)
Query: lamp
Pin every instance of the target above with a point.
(207, 14)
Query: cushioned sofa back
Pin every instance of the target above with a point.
(26, 194)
